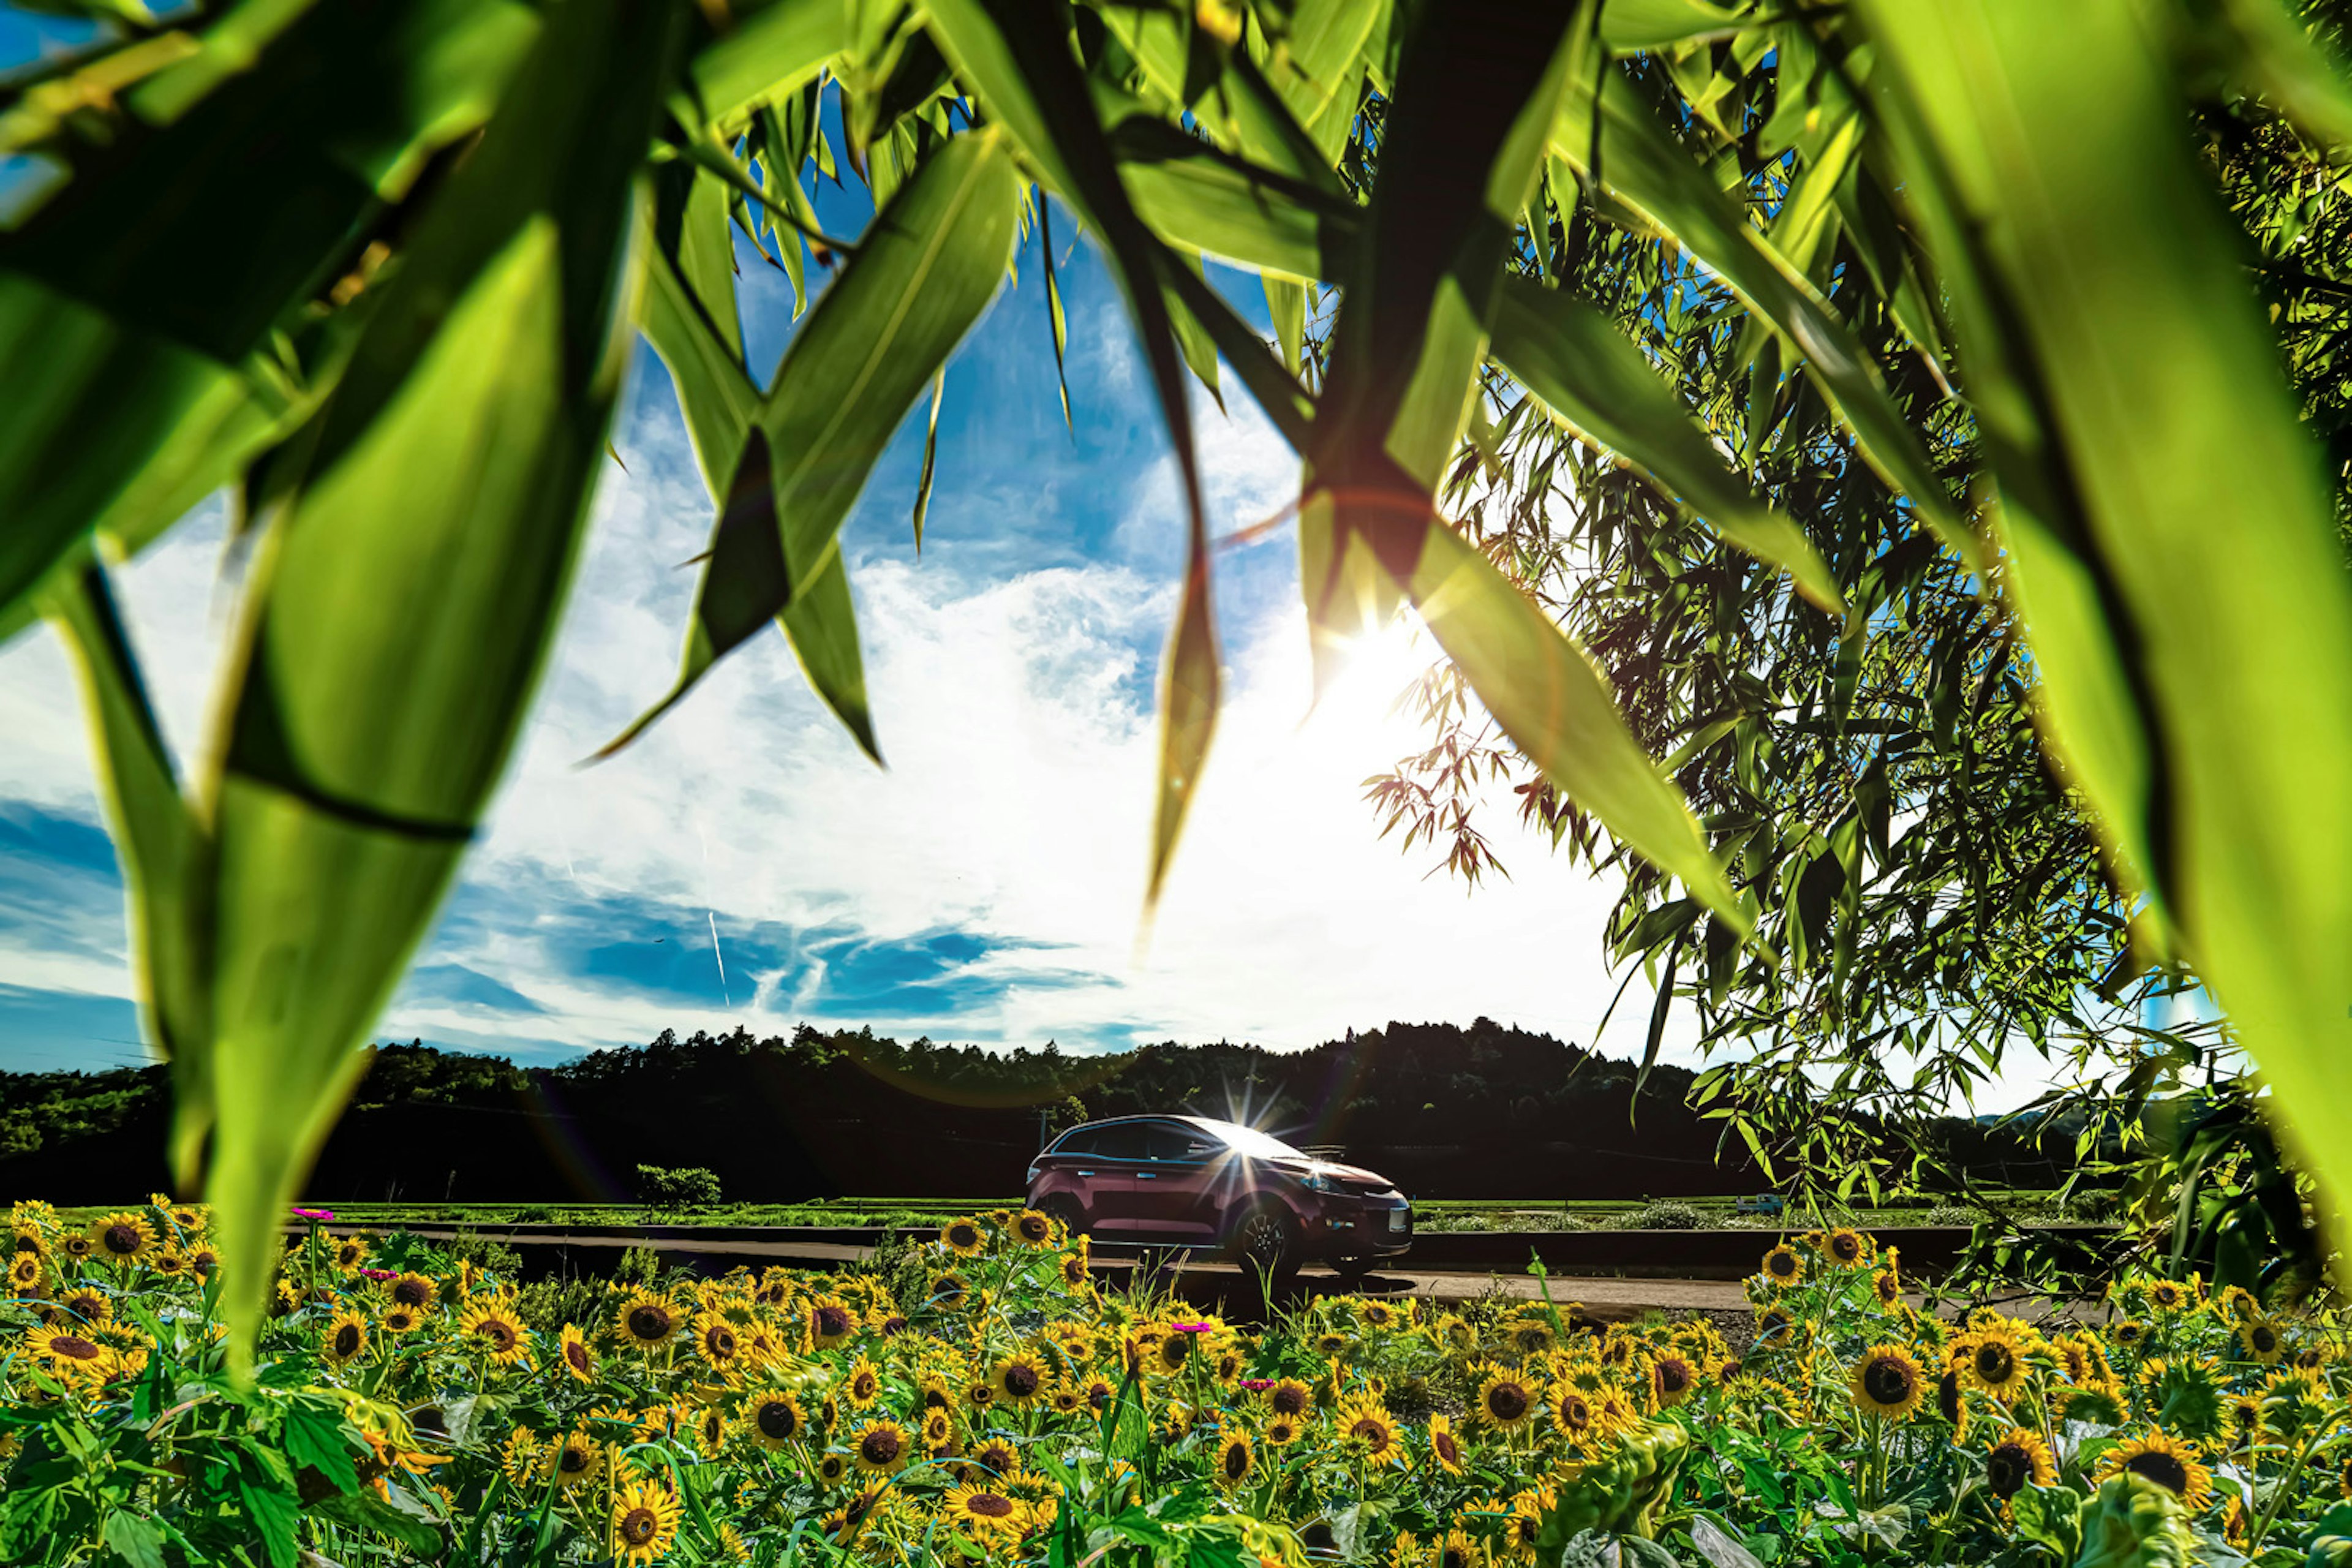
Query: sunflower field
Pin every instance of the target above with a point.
(983, 1399)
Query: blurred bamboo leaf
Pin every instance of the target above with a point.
(403, 600)
(930, 455)
(163, 848)
(768, 55)
(1572, 356)
(2170, 542)
(929, 265)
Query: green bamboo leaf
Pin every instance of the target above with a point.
(1193, 338)
(767, 56)
(2171, 537)
(1056, 319)
(930, 455)
(2280, 56)
(138, 300)
(1631, 26)
(927, 269)
(1659, 184)
(1019, 64)
(1286, 303)
(1317, 66)
(1286, 403)
(1572, 357)
(403, 599)
(162, 847)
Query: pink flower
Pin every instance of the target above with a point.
(379, 1274)
(1257, 1384)
(1191, 1328)
(314, 1214)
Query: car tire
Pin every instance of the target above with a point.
(1267, 1239)
(1059, 1208)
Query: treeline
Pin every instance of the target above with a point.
(1482, 1111)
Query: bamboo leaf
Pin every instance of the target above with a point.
(162, 846)
(930, 455)
(403, 599)
(1656, 181)
(1285, 303)
(928, 268)
(1572, 356)
(1193, 338)
(2170, 539)
(1056, 319)
(767, 56)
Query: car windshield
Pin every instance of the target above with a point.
(1249, 1141)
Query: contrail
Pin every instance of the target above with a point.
(717, 955)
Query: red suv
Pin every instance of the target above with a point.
(1189, 1181)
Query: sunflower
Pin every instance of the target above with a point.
(939, 1433)
(774, 1418)
(2016, 1458)
(980, 1393)
(831, 1468)
(646, 1319)
(2238, 1304)
(1172, 1352)
(1066, 1399)
(2128, 1334)
(715, 1341)
(882, 1447)
(1993, 1360)
(1775, 1327)
(1886, 1381)
(168, 1261)
(1574, 1414)
(1443, 1445)
(1032, 1229)
(1887, 1286)
(1532, 1336)
(1783, 1266)
(2260, 1338)
(710, 1428)
(1672, 1381)
(78, 1246)
(495, 1329)
(121, 1237)
(2169, 1296)
(845, 1524)
(203, 1260)
(1228, 1368)
(985, 1511)
(964, 1238)
(399, 1320)
(1290, 1397)
(863, 1383)
(949, 1290)
(578, 1458)
(1075, 1264)
(188, 1217)
(1282, 1431)
(572, 1348)
(1505, 1400)
(1236, 1461)
(644, 1523)
(25, 1271)
(831, 1321)
(351, 1253)
(1455, 1548)
(2167, 1461)
(2098, 1403)
(345, 1339)
(91, 1305)
(1844, 1247)
(994, 1458)
(1330, 1343)
(520, 1456)
(1522, 1526)
(72, 1355)
(1364, 1424)
(2244, 1417)
(1018, 1379)
(414, 1290)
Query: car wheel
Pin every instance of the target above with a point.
(1061, 1208)
(1267, 1238)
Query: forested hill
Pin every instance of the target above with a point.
(1482, 1111)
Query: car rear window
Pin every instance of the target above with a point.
(1120, 1141)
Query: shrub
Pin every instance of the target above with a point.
(1663, 1214)
(1955, 1214)
(664, 1190)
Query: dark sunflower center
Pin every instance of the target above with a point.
(1947, 1396)
(1453, 1557)
(577, 1354)
(1175, 1348)
(1844, 1249)
(638, 1526)
(963, 1236)
(1370, 1431)
(987, 1505)
(1447, 1448)
(501, 1335)
(865, 1386)
(648, 1322)
(1783, 1264)
(1237, 1462)
(2165, 1470)
(880, 1446)
(574, 1460)
(1673, 1376)
(2006, 1470)
(1994, 1364)
(1507, 1402)
(122, 1240)
(719, 1343)
(1887, 1381)
(73, 1347)
(1099, 1395)
(1032, 1228)
(1575, 1414)
(347, 1340)
(1289, 1399)
(832, 1321)
(893, 1324)
(410, 1292)
(1021, 1382)
(2265, 1340)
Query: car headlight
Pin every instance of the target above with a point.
(1316, 1182)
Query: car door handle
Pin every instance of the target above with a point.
(1082, 1173)
(1147, 1176)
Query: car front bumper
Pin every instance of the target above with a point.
(1348, 1226)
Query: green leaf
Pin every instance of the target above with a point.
(1572, 356)
(928, 268)
(930, 455)
(134, 1539)
(2170, 536)
(1659, 184)
(365, 1511)
(161, 845)
(767, 56)
(1286, 303)
(403, 599)
(1193, 338)
(1019, 63)
(1057, 319)
(138, 300)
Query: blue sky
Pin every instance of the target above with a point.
(744, 864)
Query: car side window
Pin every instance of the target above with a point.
(1083, 1140)
(1170, 1141)
(1122, 1140)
